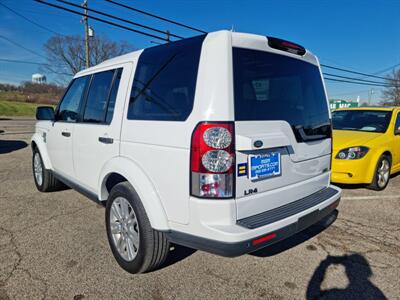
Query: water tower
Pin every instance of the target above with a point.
(38, 78)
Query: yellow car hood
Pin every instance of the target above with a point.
(350, 138)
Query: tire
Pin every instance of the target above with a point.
(44, 179)
(141, 248)
(382, 173)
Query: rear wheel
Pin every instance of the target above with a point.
(382, 173)
(136, 246)
(44, 179)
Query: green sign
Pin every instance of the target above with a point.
(335, 104)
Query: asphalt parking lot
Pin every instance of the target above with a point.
(54, 246)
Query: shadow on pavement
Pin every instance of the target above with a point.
(7, 146)
(358, 272)
(298, 238)
(351, 186)
(177, 254)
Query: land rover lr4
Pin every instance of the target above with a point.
(220, 142)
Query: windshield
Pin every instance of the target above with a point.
(269, 86)
(361, 120)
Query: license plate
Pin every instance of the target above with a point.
(265, 165)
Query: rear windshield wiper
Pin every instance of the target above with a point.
(305, 137)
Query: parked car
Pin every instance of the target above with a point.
(366, 145)
(220, 142)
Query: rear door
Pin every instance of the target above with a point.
(283, 130)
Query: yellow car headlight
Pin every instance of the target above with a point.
(352, 153)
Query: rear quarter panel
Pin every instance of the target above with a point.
(161, 149)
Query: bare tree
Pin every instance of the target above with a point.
(66, 54)
(392, 92)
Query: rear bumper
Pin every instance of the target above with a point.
(254, 244)
(216, 229)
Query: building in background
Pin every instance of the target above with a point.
(338, 103)
(38, 78)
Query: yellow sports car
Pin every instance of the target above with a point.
(366, 145)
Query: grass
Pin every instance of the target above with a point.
(20, 109)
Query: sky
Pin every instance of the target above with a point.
(361, 35)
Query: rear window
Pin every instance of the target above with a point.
(270, 86)
(361, 120)
(165, 81)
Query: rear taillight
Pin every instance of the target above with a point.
(212, 160)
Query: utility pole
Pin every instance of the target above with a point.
(370, 92)
(85, 22)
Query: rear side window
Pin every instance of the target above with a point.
(97, 99)
(270, 86)
(397, 125)
(165, 81)
(68, 109)
(113, 95)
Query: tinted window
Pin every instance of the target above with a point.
(397, 125)
(113, 96)
(361, 120)
(165, 81)
(269, 86)
(69, 107)
(97, 99)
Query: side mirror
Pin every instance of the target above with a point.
(45, 113)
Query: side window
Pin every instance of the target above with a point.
(397, 125)
(69, 106)
(165, 81)
(97, 99)
(113, 96)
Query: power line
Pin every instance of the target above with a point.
(121, 19)
(353, 72)
(103, 21)
(33, 63)
(353, 78)
(22, 47)
(29, 20)
(349, 93)
(157, 17)
(360, 83)
(21, 61)
(387, 69)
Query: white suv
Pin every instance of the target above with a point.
(220, 142)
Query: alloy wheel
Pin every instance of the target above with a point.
(124, 228)
(383, 173)
(38, 169)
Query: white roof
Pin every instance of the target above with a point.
(237, 37)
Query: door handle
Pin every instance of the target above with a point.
(66, 133)
(106, 140)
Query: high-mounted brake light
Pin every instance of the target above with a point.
(212, 159)
(286, 46)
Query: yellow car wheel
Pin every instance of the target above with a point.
(382, 173)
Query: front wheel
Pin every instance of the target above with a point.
(136, 246)
(382, 174)
(44, 179)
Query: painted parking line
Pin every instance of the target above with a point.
(371, 197)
